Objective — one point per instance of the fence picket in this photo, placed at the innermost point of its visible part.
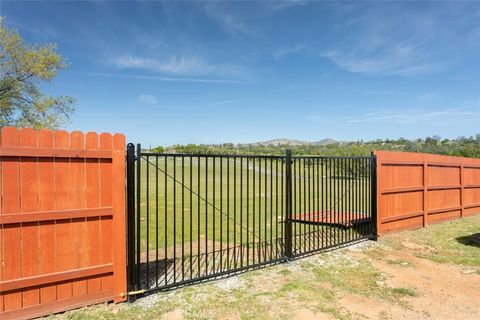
(46, 199)
(93, 201)
(106, 224)
(29, 203)
(11, 204)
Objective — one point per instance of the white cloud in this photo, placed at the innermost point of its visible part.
(245, 19)
(147, 99)
(427, 96)
(390, 61)
(178, 65)
(230, 22)
(389, 39)
(413, 116)
(219, 103)
(379, 92)
(216, 104)
(175, 65)
(157, 78)
(283, 52)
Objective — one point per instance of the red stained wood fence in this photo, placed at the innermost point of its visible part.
(415, 189)
(62, 220)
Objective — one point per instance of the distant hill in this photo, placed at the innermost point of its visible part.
(324, 142)
(292, 142)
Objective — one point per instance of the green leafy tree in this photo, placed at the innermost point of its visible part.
(24, 68)
(158, 149)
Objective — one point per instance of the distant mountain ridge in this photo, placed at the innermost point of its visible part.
(293, 142)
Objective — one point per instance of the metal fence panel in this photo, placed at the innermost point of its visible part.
(202, 216)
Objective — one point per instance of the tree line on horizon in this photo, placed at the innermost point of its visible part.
(461, 146)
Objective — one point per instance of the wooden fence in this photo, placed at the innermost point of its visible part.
(415, 190)
(62, 220)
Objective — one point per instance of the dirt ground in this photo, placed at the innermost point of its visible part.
(431, 273)
(442, 291)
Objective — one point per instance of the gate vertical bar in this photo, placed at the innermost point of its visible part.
(139, 181)
(131, 218)
(288, 204)
(373, 195)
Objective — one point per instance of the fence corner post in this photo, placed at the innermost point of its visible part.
(288, 205)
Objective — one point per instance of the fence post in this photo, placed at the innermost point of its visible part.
(373, 195)
(288, 205)
(138, 198)
(131, 217)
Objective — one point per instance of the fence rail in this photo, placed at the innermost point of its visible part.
(200, 216)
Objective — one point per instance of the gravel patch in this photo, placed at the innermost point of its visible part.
(230, 283)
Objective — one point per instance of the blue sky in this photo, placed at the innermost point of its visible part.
(210, 72)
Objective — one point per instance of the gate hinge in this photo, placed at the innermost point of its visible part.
(132, 293)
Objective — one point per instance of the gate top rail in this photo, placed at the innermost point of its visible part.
(256, 156)
(201, 155)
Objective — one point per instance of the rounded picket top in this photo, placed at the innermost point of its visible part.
(62, 139)
(28, 138)
(77, 140)
(9, 137)
(106, 141)
(119, 141)
(46, 138)
(91, 140)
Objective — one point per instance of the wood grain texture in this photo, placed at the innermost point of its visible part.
(62, 276)
(119, 223)
(55, 215)
(46, 203)
(12, 268)
(93, 200)
(106, 225)
(29, 203)
(63, 184)
(78, 200)
(55, 153)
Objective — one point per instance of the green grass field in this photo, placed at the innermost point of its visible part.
(235, 200)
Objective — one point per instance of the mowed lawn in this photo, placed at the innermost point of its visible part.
(235, 200)
(430, 273)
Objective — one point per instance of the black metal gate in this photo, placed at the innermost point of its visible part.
(194, 217)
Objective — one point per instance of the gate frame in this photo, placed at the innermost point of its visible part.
(130, 167)
(373, 196)
(133, 175)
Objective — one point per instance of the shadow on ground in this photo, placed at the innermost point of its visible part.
(471, 240)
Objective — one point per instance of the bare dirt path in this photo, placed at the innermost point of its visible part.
(442, 291)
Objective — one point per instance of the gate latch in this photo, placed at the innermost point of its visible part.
(132, 293)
